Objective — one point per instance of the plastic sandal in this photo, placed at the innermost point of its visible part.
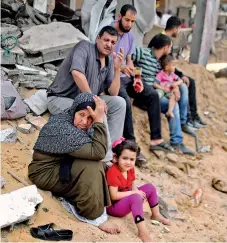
(47, 232)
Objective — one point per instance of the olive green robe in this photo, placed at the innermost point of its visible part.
(87, 190)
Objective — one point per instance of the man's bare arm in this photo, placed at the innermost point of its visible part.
(81, 81)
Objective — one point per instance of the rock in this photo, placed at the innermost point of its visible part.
(159, 154)
(2, 181)
(172, 158)
(8, 135)
(165, 230)
(38, 122)
(24, 128)
(224, 147)
(19, 205)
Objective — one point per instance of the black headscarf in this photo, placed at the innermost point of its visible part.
(59, 135)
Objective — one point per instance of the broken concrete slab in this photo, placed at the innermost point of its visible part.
(62, 36)
(9, 29)
(24, 128)
(16, 56)
(8, 135)
(37, 121)
(19, 205)
(26, 70)
(37, 102)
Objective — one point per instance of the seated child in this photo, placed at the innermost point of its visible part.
(167, 83)
(125, 196)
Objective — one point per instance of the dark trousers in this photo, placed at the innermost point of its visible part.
(149, 99)
(192, 110)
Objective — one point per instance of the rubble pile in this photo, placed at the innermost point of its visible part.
(33, 45)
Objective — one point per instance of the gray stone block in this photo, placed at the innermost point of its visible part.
(62, 36)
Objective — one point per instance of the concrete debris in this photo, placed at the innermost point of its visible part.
(2, 182)
(24, 128)
(37, 102)
(50, 66)
(8, 29)
(19, 205)
(205, 149)
(62, 36)
(8, 135)
(38, 122)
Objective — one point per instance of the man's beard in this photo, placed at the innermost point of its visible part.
(121, 27)
(174, 35)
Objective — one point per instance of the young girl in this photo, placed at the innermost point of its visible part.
(167, 83)
(125, 196)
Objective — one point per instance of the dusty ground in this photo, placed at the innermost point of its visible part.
(208, 222)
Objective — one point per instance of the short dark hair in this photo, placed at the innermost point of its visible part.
(165, 60)
(159, 41)
(126, 144)
(172, 23)
(108, 29)
(126, 8)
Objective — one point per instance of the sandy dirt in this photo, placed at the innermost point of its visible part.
(208, 222)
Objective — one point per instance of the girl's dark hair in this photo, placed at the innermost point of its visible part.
(165, 60)
(126, 144)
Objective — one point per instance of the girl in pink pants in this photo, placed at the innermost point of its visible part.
(125, 196)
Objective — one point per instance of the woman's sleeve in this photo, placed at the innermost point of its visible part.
(97, 149)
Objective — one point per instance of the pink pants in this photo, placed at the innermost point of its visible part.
(134, 204)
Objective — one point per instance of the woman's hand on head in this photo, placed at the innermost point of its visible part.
(100, 109)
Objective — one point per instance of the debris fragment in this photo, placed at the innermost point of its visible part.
(19, 205)
(155, 222)
(2, 181)
(24, 128)
(205, 149)
(165, 230)
(197, 197)
(37, 121)
(8, 135)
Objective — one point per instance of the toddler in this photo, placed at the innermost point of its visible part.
(167, 83)
(125, 196)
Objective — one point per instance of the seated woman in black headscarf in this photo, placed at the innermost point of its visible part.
(67, 158)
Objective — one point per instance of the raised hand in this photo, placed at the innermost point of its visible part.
(100, 109)
(118, 59)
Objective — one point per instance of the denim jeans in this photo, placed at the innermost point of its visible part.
(180, 115)
(176, 136)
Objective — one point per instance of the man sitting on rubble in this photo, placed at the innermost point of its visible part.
(92, 68)
(194, 120)
(148, 60)
(146, 95)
